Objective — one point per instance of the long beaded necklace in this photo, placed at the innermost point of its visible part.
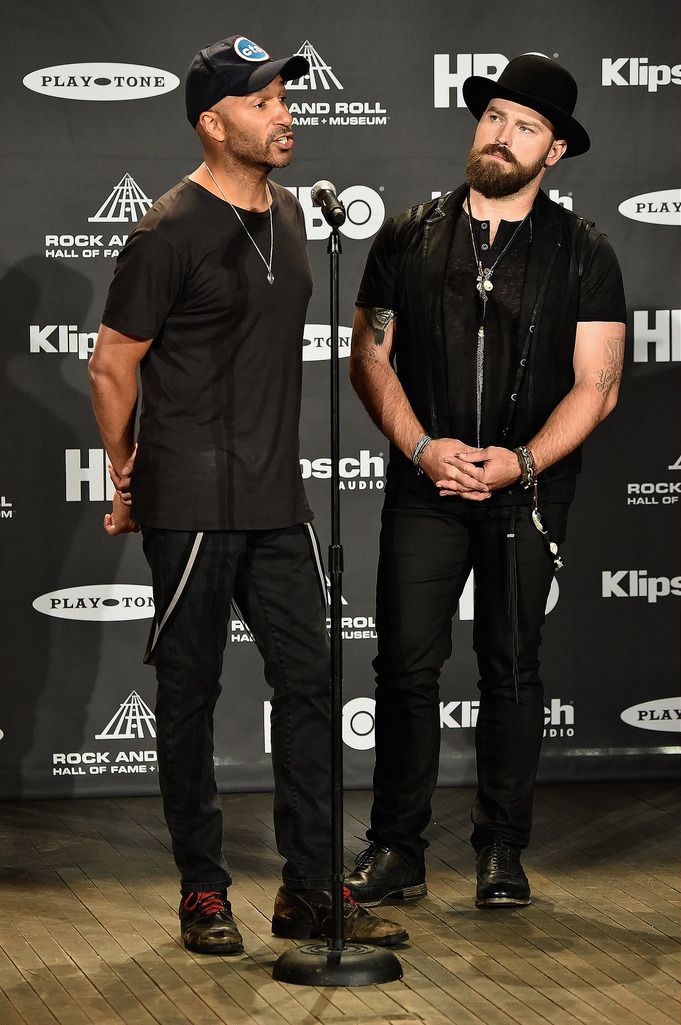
(484, 286)
(270, 275)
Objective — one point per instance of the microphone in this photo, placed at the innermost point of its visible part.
(323, 194)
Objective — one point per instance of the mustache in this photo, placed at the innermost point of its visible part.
(494, 147)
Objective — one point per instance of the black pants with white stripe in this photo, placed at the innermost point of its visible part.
(275, 579)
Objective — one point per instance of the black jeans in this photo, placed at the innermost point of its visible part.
(425, 557)
(275, 578)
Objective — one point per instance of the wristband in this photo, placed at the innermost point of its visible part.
(419, 448)
(528, 467)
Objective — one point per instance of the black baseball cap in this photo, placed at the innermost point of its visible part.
(234, 67)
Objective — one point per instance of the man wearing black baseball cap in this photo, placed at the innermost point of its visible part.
(209, 299)
(506, 313)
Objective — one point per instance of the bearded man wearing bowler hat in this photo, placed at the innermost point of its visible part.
(487, 345)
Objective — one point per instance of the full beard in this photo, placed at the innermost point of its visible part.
(493, 179)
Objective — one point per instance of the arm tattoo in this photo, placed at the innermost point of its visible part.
(379, 320)
(610, 374)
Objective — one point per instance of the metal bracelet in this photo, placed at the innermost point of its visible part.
(419, 449)
(528, 467)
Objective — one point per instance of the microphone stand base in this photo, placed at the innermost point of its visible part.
(355, 964)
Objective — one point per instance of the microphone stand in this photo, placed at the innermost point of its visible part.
(335, 962)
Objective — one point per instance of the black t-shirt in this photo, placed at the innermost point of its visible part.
(218, 444)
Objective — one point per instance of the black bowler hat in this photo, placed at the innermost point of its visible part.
(536, 82)
(234, 67)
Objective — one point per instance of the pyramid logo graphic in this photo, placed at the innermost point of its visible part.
(676, 465)
(129, 721)
(126, 202)
(320, 73)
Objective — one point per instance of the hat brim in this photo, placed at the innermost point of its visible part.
(478, 91)
(290, 68)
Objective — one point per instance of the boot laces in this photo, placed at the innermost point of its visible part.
(502, 856)
(368, 855)
(206, 902)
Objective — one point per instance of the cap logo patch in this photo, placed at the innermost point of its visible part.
(250, 51)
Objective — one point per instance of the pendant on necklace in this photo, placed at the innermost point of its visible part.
(270, 278)
(484, 282)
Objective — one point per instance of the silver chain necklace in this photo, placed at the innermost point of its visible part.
(270, 275)
(484, 286)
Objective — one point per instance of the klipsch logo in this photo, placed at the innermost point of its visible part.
(101, 81)
(356, 473)
(659, 714)
(98, 602)
(637, 71)
(133, 720)
(635, 583)
(654, 207)
(64, 338)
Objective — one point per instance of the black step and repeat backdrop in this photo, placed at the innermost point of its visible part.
(93, 131)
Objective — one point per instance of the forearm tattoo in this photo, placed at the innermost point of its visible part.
(611, 374)
(379, 320)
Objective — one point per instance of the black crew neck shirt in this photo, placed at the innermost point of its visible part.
(218, 445)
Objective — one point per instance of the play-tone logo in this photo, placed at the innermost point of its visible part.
(659, 714)
(98, 602)
(662, 207)
(317, 342)
(101, 81)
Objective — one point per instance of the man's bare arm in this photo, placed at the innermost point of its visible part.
(112, 372)
(598, 359)
(375, 381)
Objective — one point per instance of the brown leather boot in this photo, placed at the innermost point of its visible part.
(207, 925)
(302, 914)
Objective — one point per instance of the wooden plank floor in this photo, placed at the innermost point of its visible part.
(88, 924)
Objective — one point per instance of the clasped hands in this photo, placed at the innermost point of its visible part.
(471, 473)
(119, 520)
